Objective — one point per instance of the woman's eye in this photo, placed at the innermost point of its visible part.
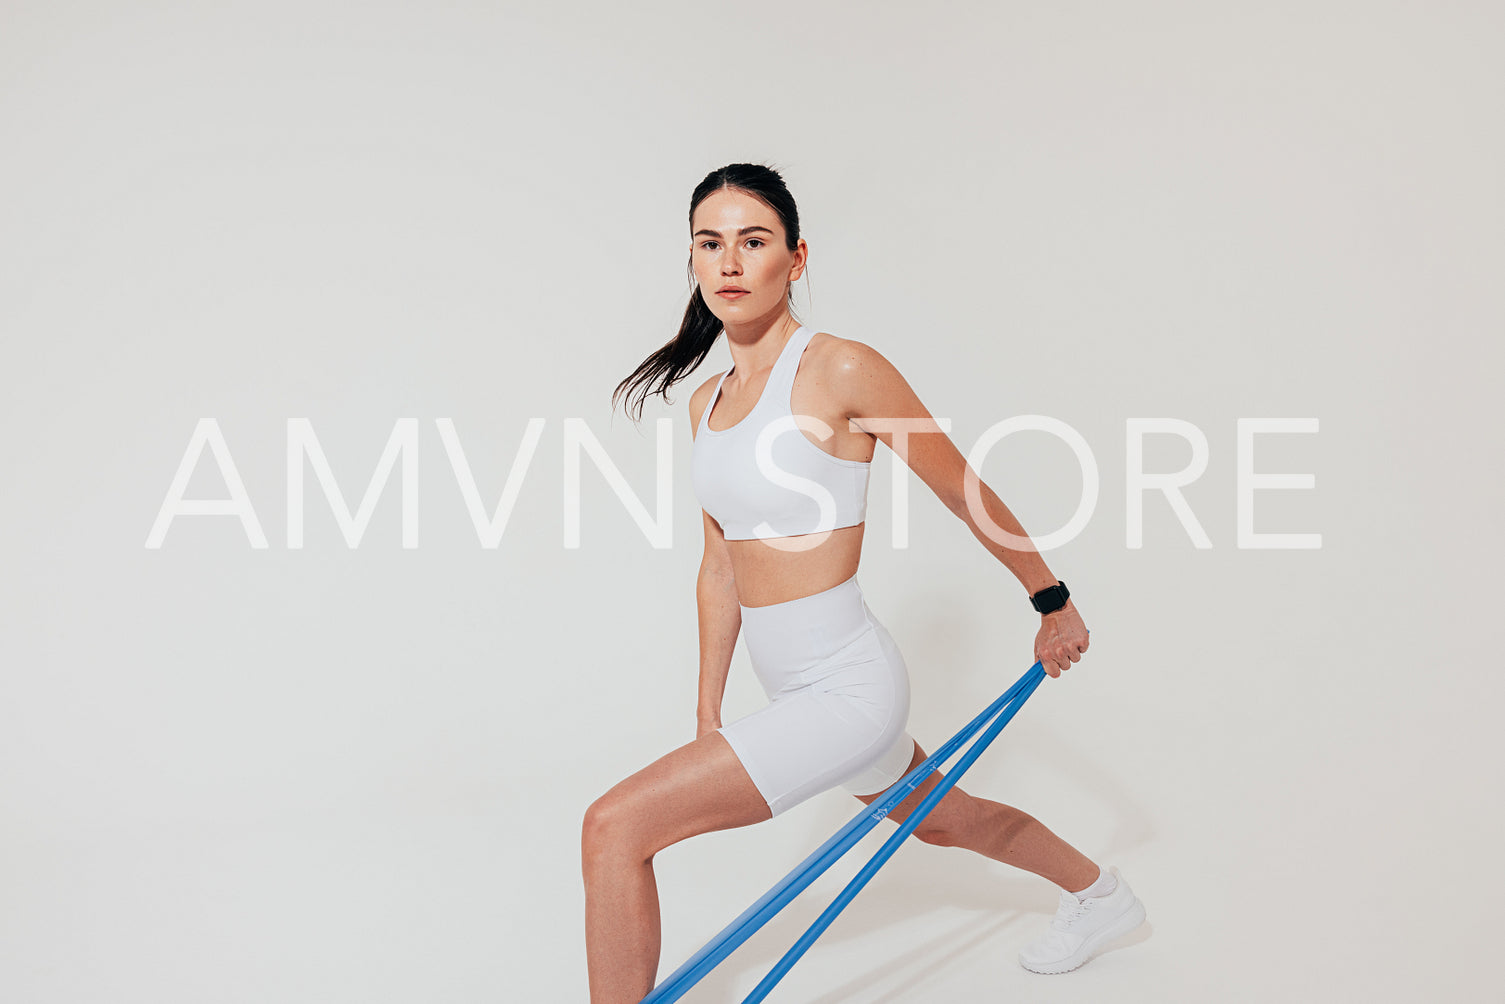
(751, 242)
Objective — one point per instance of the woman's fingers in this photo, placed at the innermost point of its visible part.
(1062, 641)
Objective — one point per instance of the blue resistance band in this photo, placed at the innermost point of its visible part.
(754, 917)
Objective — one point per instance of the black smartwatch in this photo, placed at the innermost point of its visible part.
(1051, 598)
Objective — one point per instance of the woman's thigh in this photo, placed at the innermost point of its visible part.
(951, 815)
(697, 788)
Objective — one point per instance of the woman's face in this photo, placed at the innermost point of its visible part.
(736, 241)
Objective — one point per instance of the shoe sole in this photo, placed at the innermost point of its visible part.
(1131, 919)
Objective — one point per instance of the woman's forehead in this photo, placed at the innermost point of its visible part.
(733, 207)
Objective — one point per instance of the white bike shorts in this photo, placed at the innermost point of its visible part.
(838, 695)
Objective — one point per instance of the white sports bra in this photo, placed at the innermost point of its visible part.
(764, 477)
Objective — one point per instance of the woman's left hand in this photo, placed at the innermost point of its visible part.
(1062, 639)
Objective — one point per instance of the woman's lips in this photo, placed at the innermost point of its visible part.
(731, 294)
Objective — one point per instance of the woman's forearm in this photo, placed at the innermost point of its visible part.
(1019, 554)
(1062, 637)
(720, 618)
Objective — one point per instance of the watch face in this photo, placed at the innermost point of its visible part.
(1050, 598)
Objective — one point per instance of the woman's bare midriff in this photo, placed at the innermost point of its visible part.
(766, 574)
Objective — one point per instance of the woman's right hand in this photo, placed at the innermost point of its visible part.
(706, 724)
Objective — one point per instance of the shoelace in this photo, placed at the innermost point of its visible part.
(1070, 911)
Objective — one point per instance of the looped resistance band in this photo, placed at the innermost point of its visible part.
(754, 917)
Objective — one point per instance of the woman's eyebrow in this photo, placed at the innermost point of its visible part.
(744, 230)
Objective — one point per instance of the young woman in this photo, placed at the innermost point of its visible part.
(780, 457)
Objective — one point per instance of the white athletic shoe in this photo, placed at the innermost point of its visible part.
(1081, 927)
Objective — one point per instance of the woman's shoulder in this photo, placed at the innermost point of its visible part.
(700, 397)
(847, 360)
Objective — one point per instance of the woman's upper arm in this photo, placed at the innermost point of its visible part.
(716, 555)
(876, 391)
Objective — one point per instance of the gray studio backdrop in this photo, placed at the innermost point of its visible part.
(320, 751)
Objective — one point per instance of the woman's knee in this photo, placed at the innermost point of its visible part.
(607, 830)
(937, 834)
(949, 821)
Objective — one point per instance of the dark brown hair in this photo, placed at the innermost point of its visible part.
(700, 328)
